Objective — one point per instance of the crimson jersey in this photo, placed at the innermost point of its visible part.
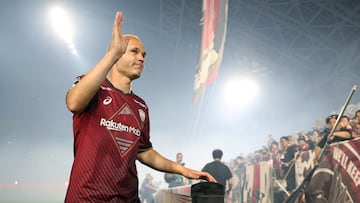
(107, 137)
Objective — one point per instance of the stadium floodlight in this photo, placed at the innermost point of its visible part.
(62, 26)
(240, 92)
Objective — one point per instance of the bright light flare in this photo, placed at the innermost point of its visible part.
(240, 92)
(62, 26)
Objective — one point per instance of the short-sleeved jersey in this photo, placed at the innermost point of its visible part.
(108, 135)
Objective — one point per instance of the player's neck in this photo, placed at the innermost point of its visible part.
(121, 84)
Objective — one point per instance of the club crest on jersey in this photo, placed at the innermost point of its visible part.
(142, 115)
(107, 100)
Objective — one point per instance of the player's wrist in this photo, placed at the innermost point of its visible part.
(113, 56)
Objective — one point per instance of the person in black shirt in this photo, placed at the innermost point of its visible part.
(219, 171)
(287, 163)
(341, 133)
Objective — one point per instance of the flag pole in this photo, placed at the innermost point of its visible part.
(301, 188)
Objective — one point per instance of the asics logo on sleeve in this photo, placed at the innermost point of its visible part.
(107, 100)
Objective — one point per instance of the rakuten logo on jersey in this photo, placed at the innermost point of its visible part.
(112, 125)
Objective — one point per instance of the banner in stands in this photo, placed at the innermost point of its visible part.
(258, 183)
(304, 162)
(337, 179)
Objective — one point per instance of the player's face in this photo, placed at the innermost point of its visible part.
(131, 64)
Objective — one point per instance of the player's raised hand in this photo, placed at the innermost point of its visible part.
(118, 44)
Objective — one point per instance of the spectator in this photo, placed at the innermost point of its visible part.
(345, 123)
(219, 171)
(147, 189)
(239, 170)
(355, 124)
(176, 180)
(302, 144)
(340, 134)
(315, 136)
(275, 156)
(287, 163)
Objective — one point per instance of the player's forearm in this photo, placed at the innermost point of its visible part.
(79, 96)
(156, 161)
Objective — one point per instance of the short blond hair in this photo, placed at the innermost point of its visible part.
(131, 35)
(125, 36)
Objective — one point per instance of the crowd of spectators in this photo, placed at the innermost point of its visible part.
(282, 152)
(303, 141)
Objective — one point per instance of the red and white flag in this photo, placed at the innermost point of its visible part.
(214, 22)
